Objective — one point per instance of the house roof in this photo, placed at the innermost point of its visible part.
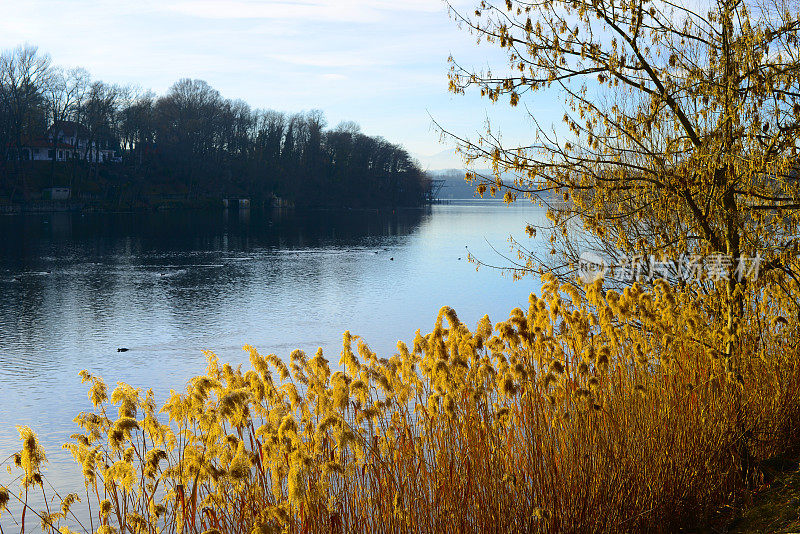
(70, 129)
(42, 142)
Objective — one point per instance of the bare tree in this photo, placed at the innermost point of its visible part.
(64, 95)
(99, 115)
(24, 75)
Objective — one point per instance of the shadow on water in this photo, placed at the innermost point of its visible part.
(27, 238)
(64, 274)
(74, 288)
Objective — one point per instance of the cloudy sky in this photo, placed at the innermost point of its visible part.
(381, 63)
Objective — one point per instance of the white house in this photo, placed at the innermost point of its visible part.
(42, 149)
(66, 140)
(77, 136)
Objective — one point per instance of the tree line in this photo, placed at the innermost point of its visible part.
(191, 143)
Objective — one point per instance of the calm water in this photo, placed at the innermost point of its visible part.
(74, 288)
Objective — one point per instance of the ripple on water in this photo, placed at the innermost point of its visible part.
(69, 299)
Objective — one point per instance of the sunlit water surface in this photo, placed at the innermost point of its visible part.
(167, 286)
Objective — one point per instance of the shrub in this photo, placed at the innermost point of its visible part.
(601, 411)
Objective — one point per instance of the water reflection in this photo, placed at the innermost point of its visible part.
(74, 288)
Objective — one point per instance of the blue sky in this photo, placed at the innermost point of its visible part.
(381, 63)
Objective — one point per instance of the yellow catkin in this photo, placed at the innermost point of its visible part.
(482, 415)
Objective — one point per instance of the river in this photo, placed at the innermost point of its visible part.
(74, 288)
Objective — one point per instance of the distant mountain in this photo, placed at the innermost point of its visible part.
(456, 187)
(446, 159)
(447, 165)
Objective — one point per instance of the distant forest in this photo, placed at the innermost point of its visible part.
(190, 144)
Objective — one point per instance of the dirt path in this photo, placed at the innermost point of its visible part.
(776, 508)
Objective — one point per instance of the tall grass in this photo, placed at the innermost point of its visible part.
(601, 412)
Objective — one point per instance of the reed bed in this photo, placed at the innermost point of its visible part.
(595, 412)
